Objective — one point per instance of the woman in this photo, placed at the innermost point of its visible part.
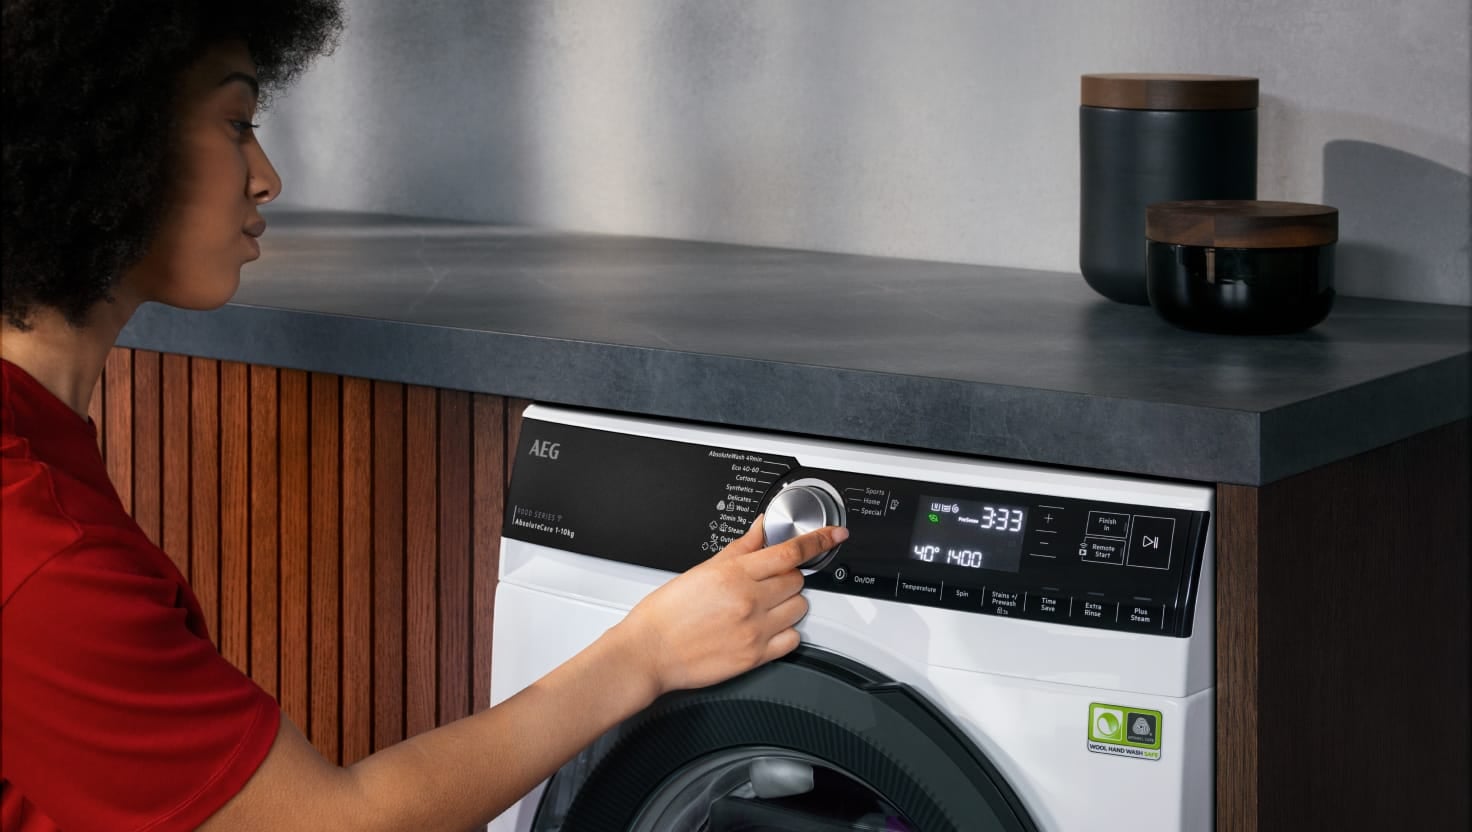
(132, 174)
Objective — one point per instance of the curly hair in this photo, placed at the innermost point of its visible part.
(89, 128)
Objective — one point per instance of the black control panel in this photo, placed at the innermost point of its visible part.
(669, 505)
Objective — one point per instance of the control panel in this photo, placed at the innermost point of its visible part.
(988, 551)
(1035, 556)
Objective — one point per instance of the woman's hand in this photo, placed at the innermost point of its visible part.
(732, 613)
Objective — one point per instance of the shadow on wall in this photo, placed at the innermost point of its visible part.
(1403, 224)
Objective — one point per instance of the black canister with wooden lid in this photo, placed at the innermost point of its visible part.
(1247, 267)
(1147, 138)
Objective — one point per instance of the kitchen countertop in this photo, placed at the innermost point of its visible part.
(997, 362)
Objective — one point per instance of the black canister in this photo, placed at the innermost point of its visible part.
(1156, 138)
(1242, 267)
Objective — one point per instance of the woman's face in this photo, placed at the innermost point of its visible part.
(222, 177)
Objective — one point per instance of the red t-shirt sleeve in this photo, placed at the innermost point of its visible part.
(115, 714)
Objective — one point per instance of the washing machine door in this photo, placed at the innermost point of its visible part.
(810, 743)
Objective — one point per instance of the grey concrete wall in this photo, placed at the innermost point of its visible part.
(934, 130)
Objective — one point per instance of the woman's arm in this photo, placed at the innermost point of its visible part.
(726, 616)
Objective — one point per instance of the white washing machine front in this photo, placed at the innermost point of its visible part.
(1065, 720)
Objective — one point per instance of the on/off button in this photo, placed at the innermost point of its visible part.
(868, 583)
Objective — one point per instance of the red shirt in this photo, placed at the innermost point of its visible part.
(116, 710)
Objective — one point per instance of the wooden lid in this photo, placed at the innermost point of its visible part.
(1147, 91)
(1242, 224)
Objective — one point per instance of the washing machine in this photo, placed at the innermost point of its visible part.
(995, 647)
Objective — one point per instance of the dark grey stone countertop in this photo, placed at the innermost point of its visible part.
(996, 362)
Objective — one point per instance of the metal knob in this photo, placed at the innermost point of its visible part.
(800, 507)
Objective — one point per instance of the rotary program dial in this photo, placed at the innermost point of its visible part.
(800, 507)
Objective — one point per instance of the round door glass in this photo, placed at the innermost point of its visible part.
(812, 742)
(761, 789)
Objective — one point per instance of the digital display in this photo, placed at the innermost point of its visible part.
(968, 534)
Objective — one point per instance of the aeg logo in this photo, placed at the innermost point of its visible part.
(545, 449)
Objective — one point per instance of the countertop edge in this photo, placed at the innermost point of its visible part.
(1173, 441)
(1413, 401)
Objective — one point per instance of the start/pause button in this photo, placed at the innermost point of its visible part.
(1150, 542)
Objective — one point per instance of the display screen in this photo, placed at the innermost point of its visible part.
(968, 534)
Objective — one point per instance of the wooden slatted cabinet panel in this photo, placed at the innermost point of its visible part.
(388, 564)
(342, 535)
(265, 538)
(488, 488)
(357, 570)
(234, 633)
(118, 416)
(148, 444)
(421, 523)
(204, 479)
(325, 557)
(175, 515)
(295, 693)
(454, 555)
